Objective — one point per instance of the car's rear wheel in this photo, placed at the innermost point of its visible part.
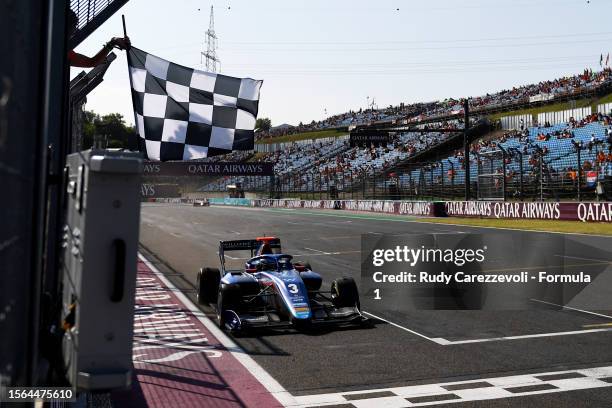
(208, 285)
(344, 293)
(305, 265)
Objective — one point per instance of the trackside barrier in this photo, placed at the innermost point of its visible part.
(421, 208)
(241, 202)
(539, 210)
(570, 211)
(170, 200)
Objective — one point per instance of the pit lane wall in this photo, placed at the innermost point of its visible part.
(567, 211)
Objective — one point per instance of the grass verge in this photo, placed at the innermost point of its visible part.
(598, 228)
(556, 107)
(575, 227)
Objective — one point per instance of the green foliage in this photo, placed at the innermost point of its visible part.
(605, 99)
(263, 124)
(111, 126)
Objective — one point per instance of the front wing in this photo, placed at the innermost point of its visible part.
(322, 315)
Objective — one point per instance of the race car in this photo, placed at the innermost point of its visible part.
(274, 291)
(201, 203)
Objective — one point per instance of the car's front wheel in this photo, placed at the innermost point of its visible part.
(344, 293)
(208, 285)
(228, 298)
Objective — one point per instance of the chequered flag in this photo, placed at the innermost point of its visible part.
(183, 113)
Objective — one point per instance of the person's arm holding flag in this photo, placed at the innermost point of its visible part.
(83, 61)
(79, 60)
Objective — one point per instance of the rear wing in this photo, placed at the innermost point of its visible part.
(245, 245)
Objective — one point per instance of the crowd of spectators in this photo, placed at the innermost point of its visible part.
(542, 152)
(545, 90)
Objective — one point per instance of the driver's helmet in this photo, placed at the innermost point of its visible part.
(266, 264)
(265, 249)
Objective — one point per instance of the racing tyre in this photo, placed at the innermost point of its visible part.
(306, 265)
(208, 285)
(344, 293)
(228, 298)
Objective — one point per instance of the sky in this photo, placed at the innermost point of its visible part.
(323, 57)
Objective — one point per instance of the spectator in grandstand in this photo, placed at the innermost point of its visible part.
(572, 174)
(601, 158)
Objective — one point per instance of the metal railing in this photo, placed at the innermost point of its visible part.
(583, 172)
(90, 14)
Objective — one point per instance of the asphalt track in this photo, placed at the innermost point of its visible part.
(412, 348)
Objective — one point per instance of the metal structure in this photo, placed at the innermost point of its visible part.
(100, 237)
(510, 175)
(80, 86)
(491, 170)
(35, 103)
(211, 45)
(90, 14)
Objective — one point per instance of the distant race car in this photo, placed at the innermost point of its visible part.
(201, 203)
(273, 291)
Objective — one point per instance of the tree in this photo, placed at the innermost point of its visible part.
(263, 124)
(111, 126)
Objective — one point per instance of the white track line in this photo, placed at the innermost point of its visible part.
(273, 386)
(316, 250)
(444, 342)
(572, 308)
(585, 259)
(381, 217)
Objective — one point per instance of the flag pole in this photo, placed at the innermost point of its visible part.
(124, 30)
(131, 86)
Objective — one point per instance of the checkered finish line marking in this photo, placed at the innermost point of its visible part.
(465, 391)
(183, 113)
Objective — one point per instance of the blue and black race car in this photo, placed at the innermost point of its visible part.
(274, 291)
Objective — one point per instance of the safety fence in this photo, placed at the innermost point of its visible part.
(581, 173)
(571, 211)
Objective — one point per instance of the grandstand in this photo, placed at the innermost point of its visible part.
(541, 162)
(563, 160)
(578, 86)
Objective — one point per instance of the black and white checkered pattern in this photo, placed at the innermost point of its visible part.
(183, 113)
